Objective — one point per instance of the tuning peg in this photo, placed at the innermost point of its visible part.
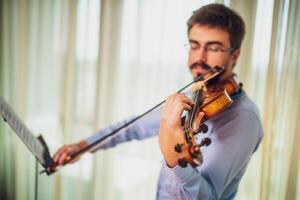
(196, 149)
(178, 148)
(203, 128)
(205, 141)
(182, 162)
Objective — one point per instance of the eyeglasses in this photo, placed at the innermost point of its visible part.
(209, 48)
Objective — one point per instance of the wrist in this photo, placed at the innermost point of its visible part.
(171, 163)
(82, 144)
(168, 138)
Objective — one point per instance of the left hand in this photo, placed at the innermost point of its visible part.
(171, 131)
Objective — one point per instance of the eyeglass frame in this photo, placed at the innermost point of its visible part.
(206, 47)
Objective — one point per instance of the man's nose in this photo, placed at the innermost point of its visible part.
(202, 54)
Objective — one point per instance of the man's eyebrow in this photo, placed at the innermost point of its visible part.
(207, 43)
(193, 41)
(214, 42)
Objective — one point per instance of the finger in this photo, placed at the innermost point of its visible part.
(186, 106)
(180, 94)
(176, 95)
(63, 159)
(59, 154)
(197, 121)
(74, 159)
(64, 156)
(59, 151)
(186, 100)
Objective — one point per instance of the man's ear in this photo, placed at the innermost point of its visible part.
(235, 55)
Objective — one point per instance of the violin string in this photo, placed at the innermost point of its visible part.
(115, 133)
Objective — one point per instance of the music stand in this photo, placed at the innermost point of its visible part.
(37, 146)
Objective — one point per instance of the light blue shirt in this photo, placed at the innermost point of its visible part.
(235, 133)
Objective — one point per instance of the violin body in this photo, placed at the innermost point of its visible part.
(217, 105)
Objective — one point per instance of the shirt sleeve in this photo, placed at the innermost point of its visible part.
(233, 142)
(145, 127)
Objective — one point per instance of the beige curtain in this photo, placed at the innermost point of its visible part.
(273, 82)
(40, 68)
(72, 67)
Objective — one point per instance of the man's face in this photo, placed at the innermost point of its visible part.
(210, 47)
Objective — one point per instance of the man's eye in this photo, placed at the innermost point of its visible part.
(194, 46)
(214, 47)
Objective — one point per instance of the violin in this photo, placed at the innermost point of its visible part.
(210, 98)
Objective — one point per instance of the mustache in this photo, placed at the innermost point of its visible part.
(201, 64)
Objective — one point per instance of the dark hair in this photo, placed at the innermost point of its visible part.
(220, 16)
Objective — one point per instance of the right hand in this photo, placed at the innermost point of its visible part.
(63, 155)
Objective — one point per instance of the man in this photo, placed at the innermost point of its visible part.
(215, 35)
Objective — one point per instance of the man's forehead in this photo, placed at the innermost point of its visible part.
(204, 34)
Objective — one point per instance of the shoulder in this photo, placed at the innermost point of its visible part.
(241, 118)
(241, 109)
